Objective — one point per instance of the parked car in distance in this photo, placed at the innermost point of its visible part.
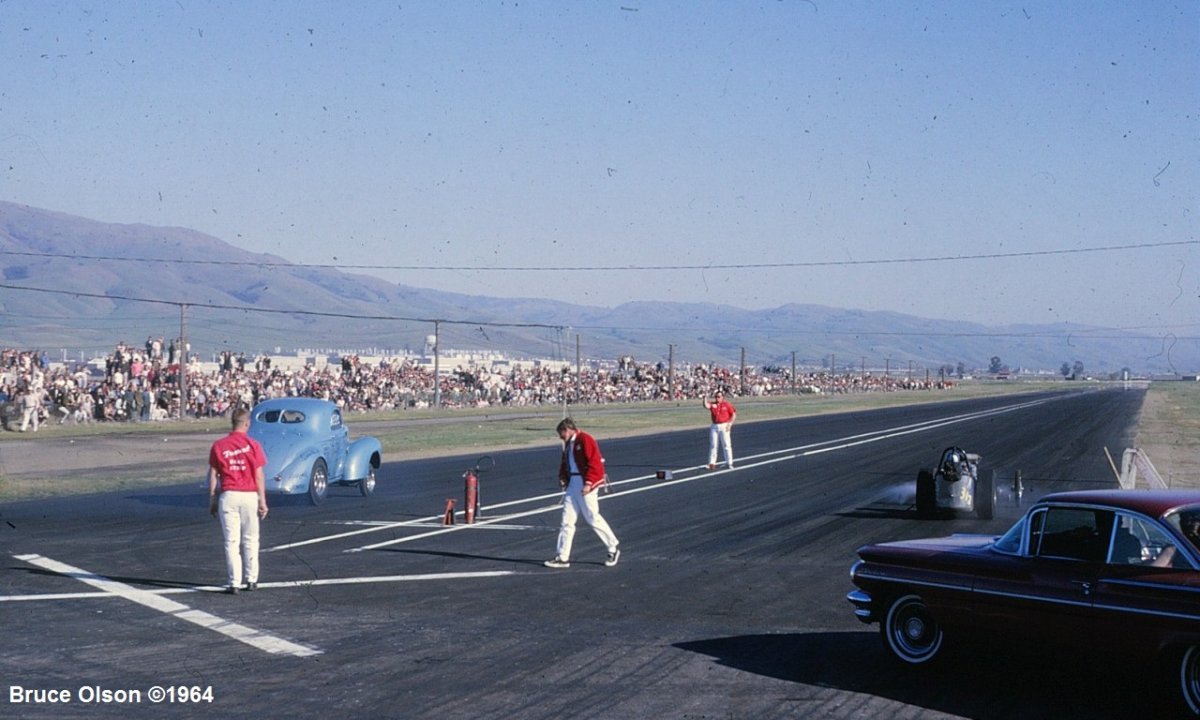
(308, 448)
(955, 484)
(1111, 573)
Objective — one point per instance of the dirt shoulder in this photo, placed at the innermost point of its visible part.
(1168, 432)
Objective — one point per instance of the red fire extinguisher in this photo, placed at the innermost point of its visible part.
(471, 493)
(471, 487)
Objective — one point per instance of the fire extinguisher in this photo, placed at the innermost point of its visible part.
(471, 487)
(471, 493)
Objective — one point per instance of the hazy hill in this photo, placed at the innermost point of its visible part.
(50, 250)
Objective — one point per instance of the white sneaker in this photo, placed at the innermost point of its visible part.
(557, 563)
(613, 557)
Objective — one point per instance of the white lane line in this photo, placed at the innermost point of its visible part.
(781, 455)
(284, 584)
(242, 633)
(812, 449)
(437, 524)
(56, 596)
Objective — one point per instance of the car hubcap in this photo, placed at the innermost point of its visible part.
(912, 634)
(914, 629)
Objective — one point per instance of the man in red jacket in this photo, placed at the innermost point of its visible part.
(723, 414)
(580, 474)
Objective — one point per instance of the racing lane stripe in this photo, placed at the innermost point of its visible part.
(781, 455)
(772, 457)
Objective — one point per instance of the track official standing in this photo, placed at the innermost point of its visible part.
(723, 414)
(237, 494)
(580, 474)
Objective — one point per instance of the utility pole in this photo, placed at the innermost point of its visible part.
(793, 372)
(671, 371)
(743, 371)
(183, 343)
(437, 375)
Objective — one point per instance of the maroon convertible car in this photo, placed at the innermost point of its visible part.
(1113, 570)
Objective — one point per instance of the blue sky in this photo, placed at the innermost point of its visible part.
(625, 135)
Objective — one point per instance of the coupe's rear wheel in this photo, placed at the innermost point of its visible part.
(910, 632)
(366, 486)
(318, 482)
(926, 494)
(1189, 680)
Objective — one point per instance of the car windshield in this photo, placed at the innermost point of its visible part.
(1010, 542)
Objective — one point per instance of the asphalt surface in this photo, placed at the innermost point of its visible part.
(728, 602)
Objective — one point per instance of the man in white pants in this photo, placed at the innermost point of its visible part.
(723, 414)
(31, 408)
(580, 474)
(237, 490)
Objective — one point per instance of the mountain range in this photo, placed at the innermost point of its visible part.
(74, 287)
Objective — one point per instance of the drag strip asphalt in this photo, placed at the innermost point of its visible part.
(728, 600)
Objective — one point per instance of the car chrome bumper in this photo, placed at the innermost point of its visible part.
(863, 604)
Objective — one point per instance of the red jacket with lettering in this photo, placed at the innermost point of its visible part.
(237, 457)
(587, 459)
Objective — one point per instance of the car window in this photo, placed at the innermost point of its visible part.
(286, 416)
(1137, 541)
(335, 420)
(1075, 533)
(1187, 522)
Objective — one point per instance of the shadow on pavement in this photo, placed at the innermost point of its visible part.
(976, 683)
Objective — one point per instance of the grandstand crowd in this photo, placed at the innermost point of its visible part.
(143, 384)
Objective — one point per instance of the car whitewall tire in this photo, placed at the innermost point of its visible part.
(910, 632)
(1189, 680)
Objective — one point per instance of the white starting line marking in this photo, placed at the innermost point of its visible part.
(237, 631)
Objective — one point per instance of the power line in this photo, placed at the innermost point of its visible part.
(612, 268)
(559, 329)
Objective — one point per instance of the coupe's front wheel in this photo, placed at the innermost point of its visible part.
(366, 486)
(910, 632)
(1189, 680)
(318, 482)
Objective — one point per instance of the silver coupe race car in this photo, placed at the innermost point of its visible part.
(308, 448)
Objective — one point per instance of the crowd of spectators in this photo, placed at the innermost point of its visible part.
(143, 384)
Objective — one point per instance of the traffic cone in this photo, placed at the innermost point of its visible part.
(448, 518)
